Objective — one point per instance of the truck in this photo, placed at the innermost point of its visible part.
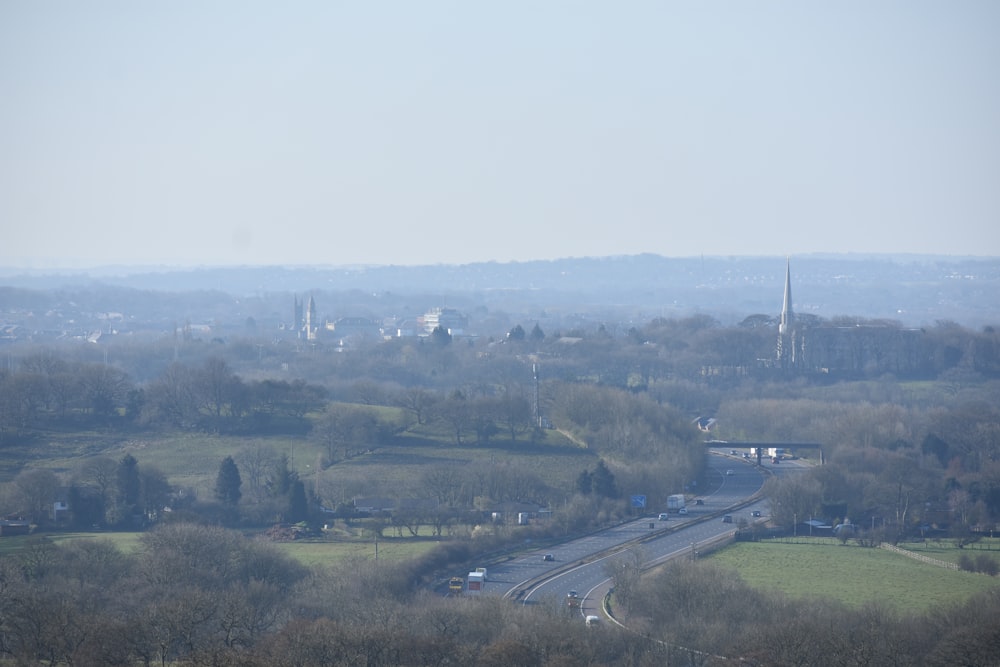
(476, 583)
(482, 571)
(675, 502)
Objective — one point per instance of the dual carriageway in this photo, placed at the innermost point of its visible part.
(580, 564)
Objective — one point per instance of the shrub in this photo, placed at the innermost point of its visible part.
(987, 565)
(965, 562)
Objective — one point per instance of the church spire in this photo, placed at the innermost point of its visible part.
(787, 314)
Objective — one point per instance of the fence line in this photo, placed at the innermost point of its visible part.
(920, 557)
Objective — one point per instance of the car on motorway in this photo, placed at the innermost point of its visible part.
(548, 557)
(682, 510)
(755, 514)
(699, 501)
(729, 473)
(727, 519)
(663, 516)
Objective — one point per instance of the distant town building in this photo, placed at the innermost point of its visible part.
(354, 328)
(449, 319)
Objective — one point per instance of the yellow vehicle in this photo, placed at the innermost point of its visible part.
(455, 585)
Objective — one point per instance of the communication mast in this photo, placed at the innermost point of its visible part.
(535, 408)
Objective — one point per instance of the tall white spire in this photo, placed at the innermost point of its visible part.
(787, 314)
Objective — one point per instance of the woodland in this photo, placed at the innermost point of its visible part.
(203, 446)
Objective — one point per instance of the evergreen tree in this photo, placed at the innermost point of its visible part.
(441, 336)
(585, 483)
(284, 478)
(537, 335)
(122, 504)
(517, 333)
(298, 506)
(227, 484)
(604, 481)
(127, 478)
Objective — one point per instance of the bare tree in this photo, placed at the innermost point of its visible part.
(626, 570)
(104, 387)
(256, 463)
(35, 492)
(418, 401)
(342, 429)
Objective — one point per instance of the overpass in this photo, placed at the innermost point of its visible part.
(760, 446)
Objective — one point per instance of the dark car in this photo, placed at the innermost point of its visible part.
(699, 501)
(755, 513)
(548, 557)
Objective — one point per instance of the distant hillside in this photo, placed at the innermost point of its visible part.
(913, 289)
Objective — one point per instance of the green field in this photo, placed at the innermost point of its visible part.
(191, 460)
(308, 552)
(852, 574)
(126, 542)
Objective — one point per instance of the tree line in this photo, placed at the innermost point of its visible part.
(202, 595)
(243, 383)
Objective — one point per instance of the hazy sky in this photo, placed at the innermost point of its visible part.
(194, 132)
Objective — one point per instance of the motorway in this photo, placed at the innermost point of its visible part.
(579, 565)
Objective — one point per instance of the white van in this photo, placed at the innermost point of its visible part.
(663, 516)
(593, 620)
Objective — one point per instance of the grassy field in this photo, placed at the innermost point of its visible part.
(191, 460)
(126, 542)
(307, 552)
(849, 573)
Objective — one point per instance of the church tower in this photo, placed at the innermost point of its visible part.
(311, 322)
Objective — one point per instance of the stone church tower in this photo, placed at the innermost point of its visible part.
(305, 319)
(311, 323)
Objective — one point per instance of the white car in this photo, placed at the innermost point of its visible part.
(729, 473)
